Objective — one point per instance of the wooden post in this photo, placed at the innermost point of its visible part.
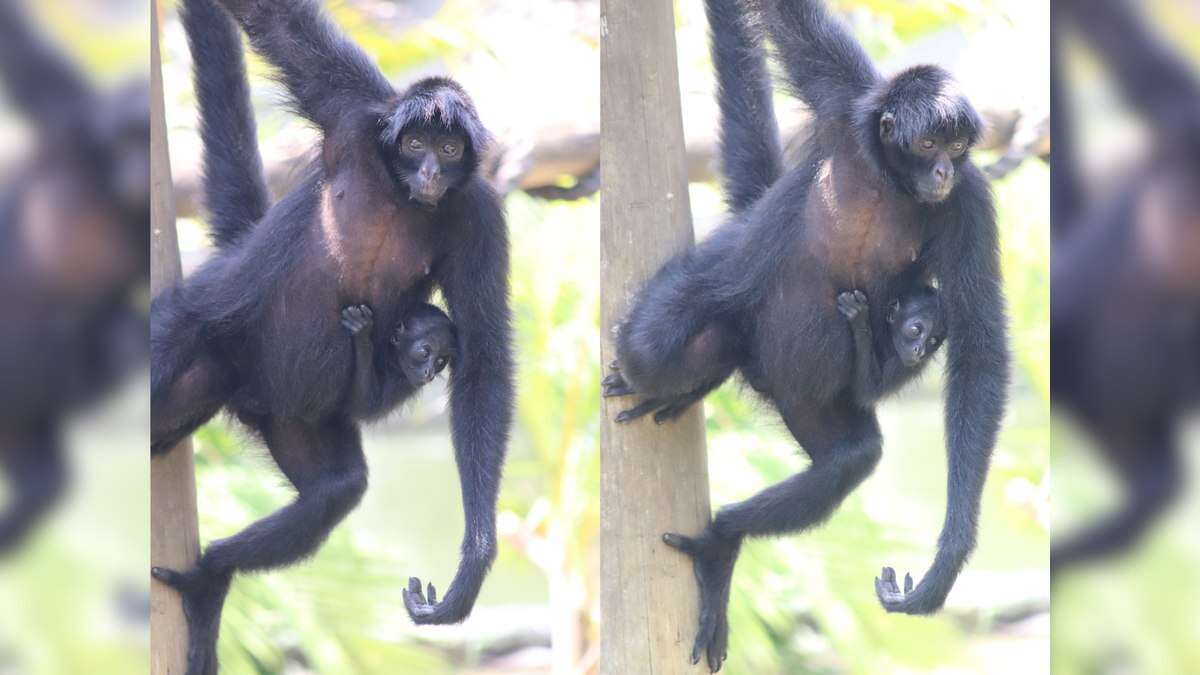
(654, 479)
(174, 536)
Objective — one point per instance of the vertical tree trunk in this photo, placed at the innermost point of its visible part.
(654, 479)
(174, 539)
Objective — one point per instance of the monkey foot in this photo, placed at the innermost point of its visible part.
(203, 595)
(713, 557)
(615, 385)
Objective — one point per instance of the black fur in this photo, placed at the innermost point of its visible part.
(235, 192)
(421, 345)
(765, 285)
(884, 363)
(261, 321)
(1125, 322)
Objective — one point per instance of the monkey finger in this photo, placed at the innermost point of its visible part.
(908, 583)
(432, 593)
(414, 589)
(860, 297)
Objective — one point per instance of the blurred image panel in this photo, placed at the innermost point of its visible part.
(1125, 324)
(74, 227)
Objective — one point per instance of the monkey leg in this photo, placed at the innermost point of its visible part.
(1150, 473)
(651, 368)
(32, 461)
(187, 387)
(325, 463)
(184, 405)
(793, 505)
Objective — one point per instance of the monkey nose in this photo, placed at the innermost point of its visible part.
(940, 173)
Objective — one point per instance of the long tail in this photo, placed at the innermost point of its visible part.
(751, 157)
(235, 191)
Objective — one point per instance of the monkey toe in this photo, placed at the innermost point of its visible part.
(615, 385)
(172, 578)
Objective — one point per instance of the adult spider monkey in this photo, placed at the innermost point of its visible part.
(377, 221)
(885, 192)
(1125, 312)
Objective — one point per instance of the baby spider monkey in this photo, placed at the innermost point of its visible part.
(916, 327)
(423, 344)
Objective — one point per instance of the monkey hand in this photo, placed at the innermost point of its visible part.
(357, 318)
(424, 608)
(920, 600)
(712, 557)
(853, 305)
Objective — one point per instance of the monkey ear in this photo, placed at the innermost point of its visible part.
(893, 309)
(887, 126)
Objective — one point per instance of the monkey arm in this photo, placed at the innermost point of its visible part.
(235, 191)
(751, 158)
(474, 281)
(324, 70)
(824, 64)
(868, 379)
(364, 383)
(966, 261)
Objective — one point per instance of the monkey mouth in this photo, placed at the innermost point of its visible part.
(934, 194)
(426, 194)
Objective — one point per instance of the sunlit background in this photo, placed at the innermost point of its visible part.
(1135, 610)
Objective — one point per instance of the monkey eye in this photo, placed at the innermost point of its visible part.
(449, 149)
(415, 144)
(957, 147)
(914, 329)
(424, 351)
(927, 144)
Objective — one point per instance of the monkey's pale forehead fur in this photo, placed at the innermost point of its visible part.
(435, 101)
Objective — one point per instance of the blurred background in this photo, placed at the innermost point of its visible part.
(1126, 333)
(74, 288)
(533, 72)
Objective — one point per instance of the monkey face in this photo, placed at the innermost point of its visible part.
(430, 162)
(918, 329)
(422, 354)
(927, 162)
